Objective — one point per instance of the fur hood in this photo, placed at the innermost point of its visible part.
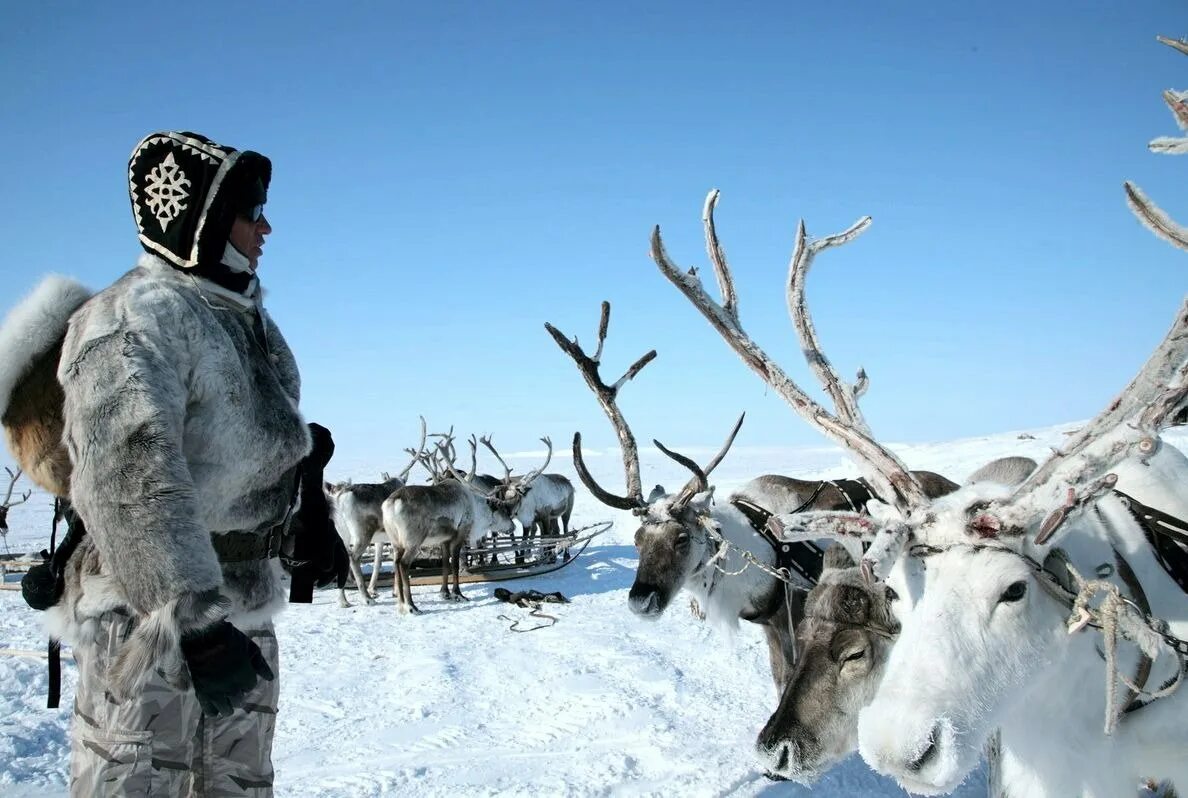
(30, 397)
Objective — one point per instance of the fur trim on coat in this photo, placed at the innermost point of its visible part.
(30, 397)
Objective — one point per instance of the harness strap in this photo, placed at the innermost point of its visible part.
(248, 545)
(856, 492)
(1167, 535)
(804, 557)
(53, 652)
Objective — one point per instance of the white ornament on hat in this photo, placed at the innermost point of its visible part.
(166, 190)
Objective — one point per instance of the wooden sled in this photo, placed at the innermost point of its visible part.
(508, 559)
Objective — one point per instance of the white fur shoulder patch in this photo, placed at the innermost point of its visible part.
(33, 327)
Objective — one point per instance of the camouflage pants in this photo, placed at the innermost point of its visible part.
(159, 743)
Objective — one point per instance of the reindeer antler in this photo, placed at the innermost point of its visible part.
(1131, 423)
(527, 479)
(416, 456)
(8, 502)
(700, 480)
(13, 476)
(888, 476)
(606, 394)
(507, 472)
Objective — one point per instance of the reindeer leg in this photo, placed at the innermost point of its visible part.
(357, 548)
(395, 582)
(457, 559)
(565, 530)
(445, 571)
(405, 559)
(376, 567)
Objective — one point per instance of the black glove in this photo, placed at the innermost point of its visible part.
(224, 666)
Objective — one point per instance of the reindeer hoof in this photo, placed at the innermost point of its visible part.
(415, 610)
(458, 597)
(369, 601)
(344, 603)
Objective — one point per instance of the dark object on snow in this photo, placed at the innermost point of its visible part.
(312, 550)
(224, 665)
(528, 598)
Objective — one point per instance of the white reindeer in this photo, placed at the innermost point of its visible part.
(356, 509)
(1003, 586)
(358, 519)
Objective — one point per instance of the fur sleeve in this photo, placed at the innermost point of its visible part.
(124, 373)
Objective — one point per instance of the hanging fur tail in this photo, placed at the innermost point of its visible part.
(30, 396)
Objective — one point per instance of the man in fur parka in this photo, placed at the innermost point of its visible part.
(184, 437)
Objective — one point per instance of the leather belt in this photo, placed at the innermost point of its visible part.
(243, 546)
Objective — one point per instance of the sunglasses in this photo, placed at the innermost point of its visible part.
(254, 213)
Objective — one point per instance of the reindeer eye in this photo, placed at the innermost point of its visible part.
(854, 656)
(891, 594)
(1014, 592)
(682, 537)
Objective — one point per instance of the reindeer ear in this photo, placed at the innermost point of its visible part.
(837, 558)
(658, 492)
(703, 501)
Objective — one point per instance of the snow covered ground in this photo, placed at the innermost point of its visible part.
(453, 703)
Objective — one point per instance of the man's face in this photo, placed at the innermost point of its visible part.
(248, 237)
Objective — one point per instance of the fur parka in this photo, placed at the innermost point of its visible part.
(181, 421)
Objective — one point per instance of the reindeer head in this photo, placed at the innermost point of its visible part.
(510, 490)
(842, 646)
(672, 537)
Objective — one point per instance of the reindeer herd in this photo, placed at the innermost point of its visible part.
(454, 510)
(1034, 616)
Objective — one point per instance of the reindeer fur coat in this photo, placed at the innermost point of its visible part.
(181, 421)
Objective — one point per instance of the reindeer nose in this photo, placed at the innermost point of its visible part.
(644, 601)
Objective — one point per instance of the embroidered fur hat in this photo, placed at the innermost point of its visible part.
(186, 191)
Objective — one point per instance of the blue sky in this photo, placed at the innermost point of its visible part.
(449, 176)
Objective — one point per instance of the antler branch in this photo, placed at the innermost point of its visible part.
(536, 472)
(13, 476)
(416, 456)
(717, 257)
(700, 480)
(1154, 218)
(507, 472)
(606, 395)
(845, 397)
(889, 477)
